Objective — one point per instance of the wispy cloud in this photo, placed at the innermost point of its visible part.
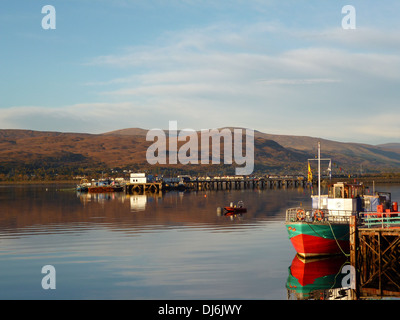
(225, 74)
(298, 81)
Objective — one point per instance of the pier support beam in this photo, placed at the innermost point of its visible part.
(375, 255)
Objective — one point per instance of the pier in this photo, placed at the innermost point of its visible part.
(243, 183)
(216, 183)
(375, 255)
(153, 187)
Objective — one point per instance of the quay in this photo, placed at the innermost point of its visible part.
(143, 187)
(140, 184)
(375, 255)
(244, 183)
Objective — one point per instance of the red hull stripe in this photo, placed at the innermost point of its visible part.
(306, 244)
(307, 272)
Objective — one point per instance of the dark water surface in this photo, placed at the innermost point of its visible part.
(170, 246)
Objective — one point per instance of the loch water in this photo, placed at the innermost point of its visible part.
(173, 245)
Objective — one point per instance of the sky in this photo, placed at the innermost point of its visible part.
(280, 67)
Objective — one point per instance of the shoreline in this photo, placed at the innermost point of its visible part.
(365, 180)
(40, 182)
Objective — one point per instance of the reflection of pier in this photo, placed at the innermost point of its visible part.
(375, 255)
(138, 202)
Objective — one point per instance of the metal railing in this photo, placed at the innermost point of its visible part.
(365, 219)
(379, 220)
(318, 215)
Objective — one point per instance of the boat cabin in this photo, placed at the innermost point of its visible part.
(343, 199)
(346, 191)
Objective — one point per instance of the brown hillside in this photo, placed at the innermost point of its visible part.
(127, 147)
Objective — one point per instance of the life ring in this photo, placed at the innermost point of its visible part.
(319, 215)
(301, 215)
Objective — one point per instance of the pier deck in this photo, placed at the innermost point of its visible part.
(216, 184)
(239, 184)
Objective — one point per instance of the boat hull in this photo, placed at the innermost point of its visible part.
(105, 189)
(235, 210)
(318, 239)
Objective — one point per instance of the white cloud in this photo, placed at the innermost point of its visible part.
(226, 75)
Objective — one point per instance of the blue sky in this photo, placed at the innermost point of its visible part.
(281, 67)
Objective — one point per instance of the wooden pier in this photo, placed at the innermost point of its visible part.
(143, 187)
(216, 184)
(375, 256)
(242, 184)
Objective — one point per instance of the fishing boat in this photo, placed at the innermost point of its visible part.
(234, 209)
(100, 189)
(324, 229)
(83, 186)
(104, 185)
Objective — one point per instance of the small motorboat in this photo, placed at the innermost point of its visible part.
(238, 208)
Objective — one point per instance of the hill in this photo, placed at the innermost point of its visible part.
(29, 152)
(393, 147)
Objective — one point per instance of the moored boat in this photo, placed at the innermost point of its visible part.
(100, 186)
(318, 238)
(106, 189)
(234, 209)
(83, 186)
(324, 229)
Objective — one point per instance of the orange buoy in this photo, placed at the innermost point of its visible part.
(319, 215)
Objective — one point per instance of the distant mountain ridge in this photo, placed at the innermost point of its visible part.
(394, 147)
(127, 148)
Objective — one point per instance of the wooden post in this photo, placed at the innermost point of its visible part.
(380, 261)
(353, 240)
(353, 253)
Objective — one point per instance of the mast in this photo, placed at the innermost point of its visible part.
(319, 174)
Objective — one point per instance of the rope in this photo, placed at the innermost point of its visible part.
(334, 236)
(340, 271)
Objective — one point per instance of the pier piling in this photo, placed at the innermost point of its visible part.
(375, 255)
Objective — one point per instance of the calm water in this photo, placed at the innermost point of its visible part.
(171, 246)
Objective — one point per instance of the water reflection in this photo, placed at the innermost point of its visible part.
(137, 202)
(333, 278)
(154, 246)
(30, 210)
(317, 279)
(172, 245)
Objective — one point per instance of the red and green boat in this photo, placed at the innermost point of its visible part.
(324, 228)
(319, 239)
